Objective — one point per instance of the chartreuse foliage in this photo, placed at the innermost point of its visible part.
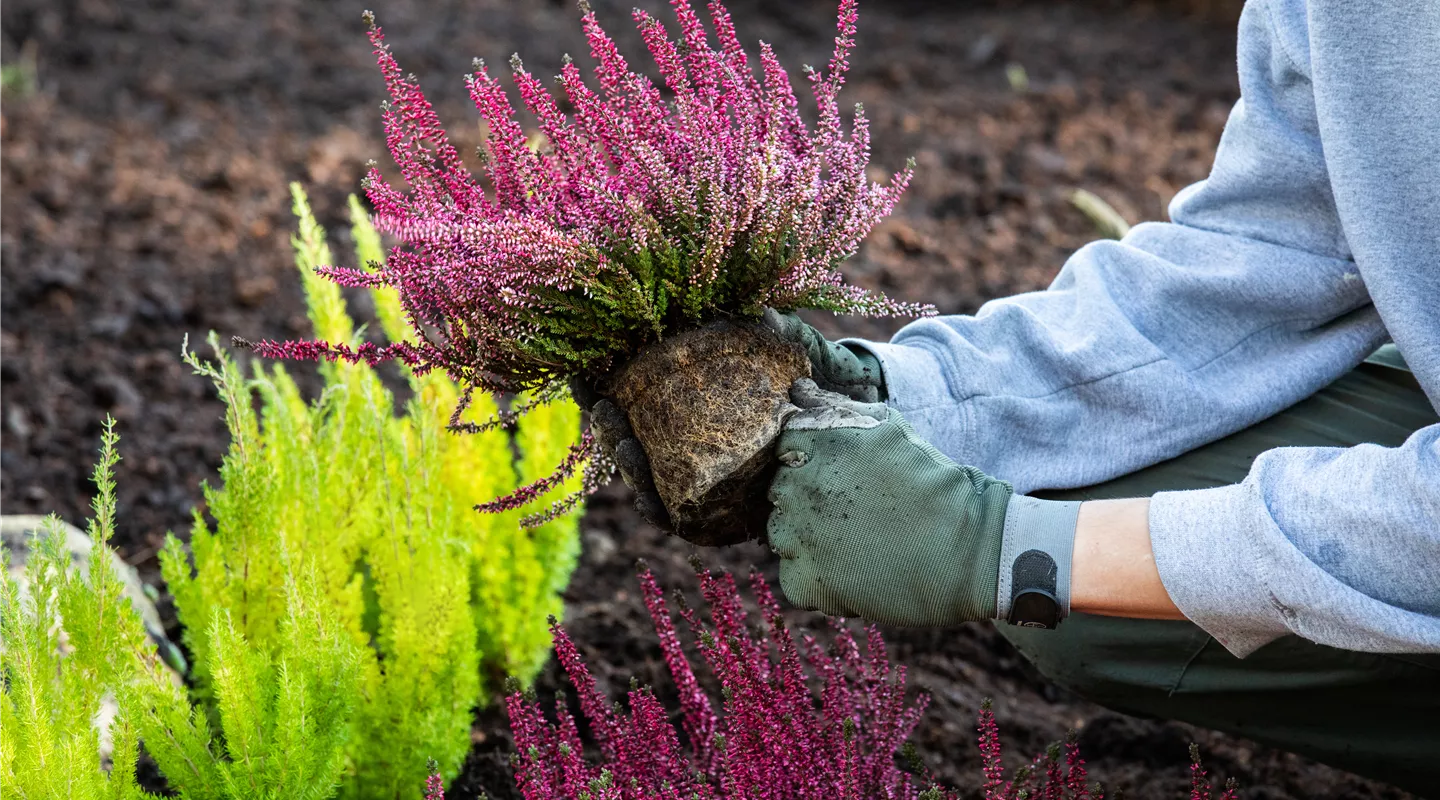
(54, 682)
(283, 715)
(437, 599)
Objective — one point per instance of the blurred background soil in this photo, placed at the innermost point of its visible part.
(145, 161)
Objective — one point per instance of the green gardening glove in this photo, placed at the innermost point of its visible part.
(851, 371)
(872, 521)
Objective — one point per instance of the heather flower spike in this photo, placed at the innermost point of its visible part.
(1199, 783)
(773, 735)
(649, 210)
(772, 740)
(434, 784)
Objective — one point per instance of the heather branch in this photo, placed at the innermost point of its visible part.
(771, 736)
(577, 456)
(638, 219)
(771, 741)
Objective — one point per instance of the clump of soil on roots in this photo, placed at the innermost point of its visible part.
(707, 405)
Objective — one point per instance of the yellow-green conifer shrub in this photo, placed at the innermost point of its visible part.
(439, 599)
(283, 716)
(517, 577)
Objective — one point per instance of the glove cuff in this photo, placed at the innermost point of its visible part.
(1035, 556)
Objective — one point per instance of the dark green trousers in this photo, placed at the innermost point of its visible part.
(1373, 714)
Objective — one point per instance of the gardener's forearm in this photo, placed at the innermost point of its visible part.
(1113, 572)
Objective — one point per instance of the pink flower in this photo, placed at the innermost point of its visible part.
(795, 719)
(434, 784)
(647, 210)
(773, 739)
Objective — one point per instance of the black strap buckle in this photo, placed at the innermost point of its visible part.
(1032, 596)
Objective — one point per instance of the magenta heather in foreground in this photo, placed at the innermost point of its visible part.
(643, 211)
(773, 737)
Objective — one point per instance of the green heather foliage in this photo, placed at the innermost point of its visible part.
(284, 713)
(439, 601)
(283, 716)
(54, 682)
(639, 209)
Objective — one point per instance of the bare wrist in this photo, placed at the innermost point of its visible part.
(1113, 572)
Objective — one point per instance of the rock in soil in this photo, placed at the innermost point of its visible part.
(19, 531)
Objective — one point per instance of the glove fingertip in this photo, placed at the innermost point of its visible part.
(653, 510)
(804, 589)
(776, 494)
(782, 540)
(634, 464)
(864, 394)
(787, 326)
(806, 393)
(583, 393)
(610, 424)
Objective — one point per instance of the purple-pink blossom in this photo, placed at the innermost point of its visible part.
(646, 209)
(770, 736)
(795, 718)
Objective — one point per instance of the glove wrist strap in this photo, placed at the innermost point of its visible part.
(1035, 556)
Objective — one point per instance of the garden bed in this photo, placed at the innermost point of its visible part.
(145, 199)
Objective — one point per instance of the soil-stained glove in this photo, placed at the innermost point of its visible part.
(612, 431)
(872, 521)
(852, 372)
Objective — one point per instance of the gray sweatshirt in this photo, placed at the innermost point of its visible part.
(1315, 239)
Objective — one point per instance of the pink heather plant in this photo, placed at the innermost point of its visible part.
(647, 211)
(1200, 784)
(1044, 778)
(434, 784)
(776, 738)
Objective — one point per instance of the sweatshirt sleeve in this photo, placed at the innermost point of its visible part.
(1180, 334)
(1339, 546)
(1249, 301)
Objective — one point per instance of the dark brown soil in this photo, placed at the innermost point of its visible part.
(144, 190)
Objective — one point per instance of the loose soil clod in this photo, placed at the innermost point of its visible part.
(707, 405)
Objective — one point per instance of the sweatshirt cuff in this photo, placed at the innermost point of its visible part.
(1204, 543)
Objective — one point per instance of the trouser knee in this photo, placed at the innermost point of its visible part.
(1371, 713)
(1125, 664)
